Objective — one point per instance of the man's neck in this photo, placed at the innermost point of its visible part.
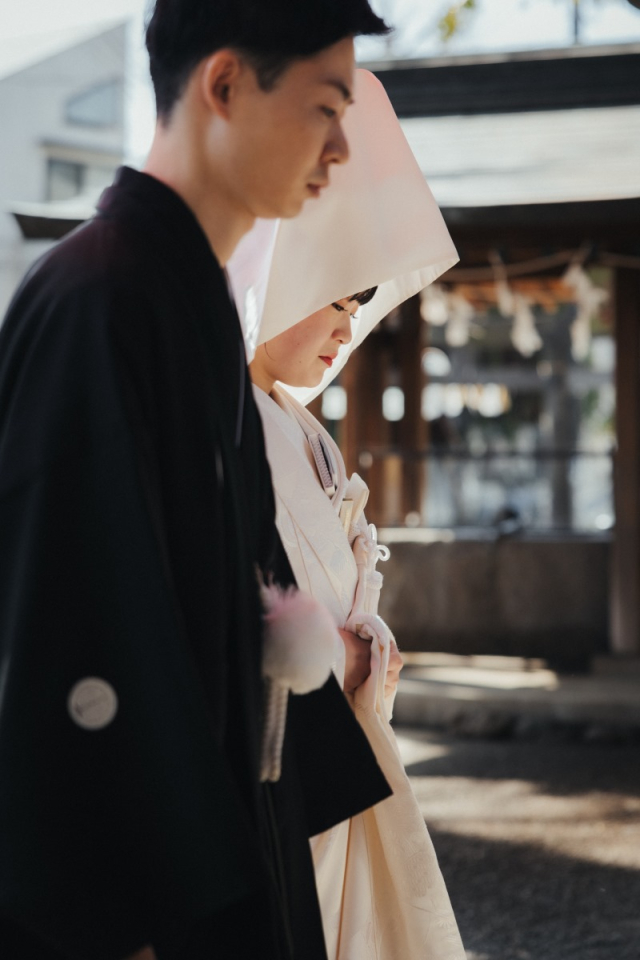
(223, 223)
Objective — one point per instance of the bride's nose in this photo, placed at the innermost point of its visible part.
(343, 330)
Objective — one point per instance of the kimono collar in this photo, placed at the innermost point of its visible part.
(157, 210)
(170, 233)
(287, 422)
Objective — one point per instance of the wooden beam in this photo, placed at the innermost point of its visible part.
(45, 228)
(515, 82)
(564, 223)
(542, 232)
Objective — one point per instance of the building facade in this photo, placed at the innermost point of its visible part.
(63, 136)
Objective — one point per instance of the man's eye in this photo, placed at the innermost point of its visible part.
(328, 112)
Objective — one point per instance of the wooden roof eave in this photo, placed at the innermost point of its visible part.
(529, 230)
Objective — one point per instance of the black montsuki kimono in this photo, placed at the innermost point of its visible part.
(135, 502)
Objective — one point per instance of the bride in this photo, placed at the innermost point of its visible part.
(380, 888)
(377, 231)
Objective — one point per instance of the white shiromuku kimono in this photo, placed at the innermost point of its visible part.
(381, 891)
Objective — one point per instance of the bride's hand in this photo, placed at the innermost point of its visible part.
(393, 672)
(357, 665)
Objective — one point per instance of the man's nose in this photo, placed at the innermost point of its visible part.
(337, 148)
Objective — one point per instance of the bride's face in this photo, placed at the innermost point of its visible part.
(300, 356)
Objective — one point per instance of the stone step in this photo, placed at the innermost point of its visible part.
(488, 696)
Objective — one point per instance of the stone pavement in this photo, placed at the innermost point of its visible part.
(538, 841)
(510, 696)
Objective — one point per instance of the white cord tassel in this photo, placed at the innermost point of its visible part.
(297, 657)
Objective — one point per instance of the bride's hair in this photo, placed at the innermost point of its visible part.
(364, 297)
(270, 34)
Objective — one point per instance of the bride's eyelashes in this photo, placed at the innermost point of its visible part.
(342, 309)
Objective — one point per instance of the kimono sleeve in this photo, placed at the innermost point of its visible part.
(116, 806)
(338, 771)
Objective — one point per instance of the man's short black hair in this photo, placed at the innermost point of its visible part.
(271, 34)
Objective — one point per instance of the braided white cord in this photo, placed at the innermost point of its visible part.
(382, 552)
(273, 733)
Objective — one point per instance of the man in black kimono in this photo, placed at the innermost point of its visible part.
(135, 506)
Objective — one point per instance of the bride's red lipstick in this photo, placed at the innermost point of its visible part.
(328, 361)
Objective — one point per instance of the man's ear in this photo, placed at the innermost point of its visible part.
(220, 75)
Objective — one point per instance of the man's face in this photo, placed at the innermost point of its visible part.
(284, 141)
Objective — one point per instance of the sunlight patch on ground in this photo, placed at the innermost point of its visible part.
(488, 679)
(597, 826)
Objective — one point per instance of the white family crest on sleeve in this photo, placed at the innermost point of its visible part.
(298, 654)
(92, 703)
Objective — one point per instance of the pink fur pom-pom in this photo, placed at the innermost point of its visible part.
(299, 643)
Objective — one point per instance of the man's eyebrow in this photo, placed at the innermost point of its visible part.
(339, 85)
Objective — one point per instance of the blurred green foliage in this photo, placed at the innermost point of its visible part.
(454, 18)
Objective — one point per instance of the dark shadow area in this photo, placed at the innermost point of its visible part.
(519, 902)
(558, 768)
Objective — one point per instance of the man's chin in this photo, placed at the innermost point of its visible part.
(287, 208)
(294, 205)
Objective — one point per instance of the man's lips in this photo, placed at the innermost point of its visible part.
(315, 188)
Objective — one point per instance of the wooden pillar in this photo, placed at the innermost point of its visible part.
(411, 427)
(364, 427)
(625, 579)
(349, 433)
(315, 409)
